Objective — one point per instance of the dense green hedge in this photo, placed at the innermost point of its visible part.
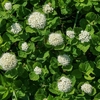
(49, 49)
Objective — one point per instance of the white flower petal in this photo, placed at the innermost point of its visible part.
(37, 20)
(64, 84)
(8, 61)
(8, 6)
(55, 39)
(63, 59)
(37, 70)
(24, 46)
(15, 28)
(87, 88)
(84, 36)
(47, 8)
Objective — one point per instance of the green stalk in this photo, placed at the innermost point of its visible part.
(76, 19)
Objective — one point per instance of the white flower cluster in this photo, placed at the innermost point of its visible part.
(24, 46)
(15, 28)
(63, 59)
(8, 6)
(55, 39)
(8, 61)
(37, 70)
(84, 36)
(37, 20)
(87, 88)
(47, 8)
(70, 34)
(64, 84)
(45, 99)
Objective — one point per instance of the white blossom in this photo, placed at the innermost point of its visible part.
(55, 39)
(45, 99)
(47, 8)
(37, 70)
(63, 59)
(8, 61)
(8, 6)
(84, 36)
(37, 20)
(15, 28)
(24, 46)
(70, 34)
(87, 88)
(64, 84)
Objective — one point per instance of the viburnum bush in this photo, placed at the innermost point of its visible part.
(49, 49)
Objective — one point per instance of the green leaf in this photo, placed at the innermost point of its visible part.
(98, 64)
(91, 20)
(28, 29)
(37, 64)
(53, 62)
(67, 68)
(53, 88)
(61, 47)
(20, 94)
(83, 47)
(97, 48)
(11, 73)
(2, 89)
(1, 40)
(84, 67)
(52, 70)
(35, 39)
(46, 54)
(22, 54)
(77, 73)
(88, 74)
(16, 7)
(5, 46)
(2, 22)
(97, 96)
(33, 76)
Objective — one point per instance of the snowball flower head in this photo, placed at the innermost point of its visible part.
(47, 8)
(87, 88)
(24, 46)
(45, 99)
(63, 59)
(70, 34)
(8, 61)
(64, 84)
(37, 70)
(8, 6)
(15, 28)
(84, 36)
(55, 39)
(37, 20)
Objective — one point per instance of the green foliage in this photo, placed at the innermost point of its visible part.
(22, 82)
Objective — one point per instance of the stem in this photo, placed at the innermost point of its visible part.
(76, 19)
(61, 95)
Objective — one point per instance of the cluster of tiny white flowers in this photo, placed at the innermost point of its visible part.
(64, 84)
(8, 6)
(84, 36)
(47, 8)
(37, 20)
(37, 70)
(55, 39)
(63, 59)
(70, 34)
(24, 46)
(8, 61)
(87, 88)
(45, 99)
(15, 28)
